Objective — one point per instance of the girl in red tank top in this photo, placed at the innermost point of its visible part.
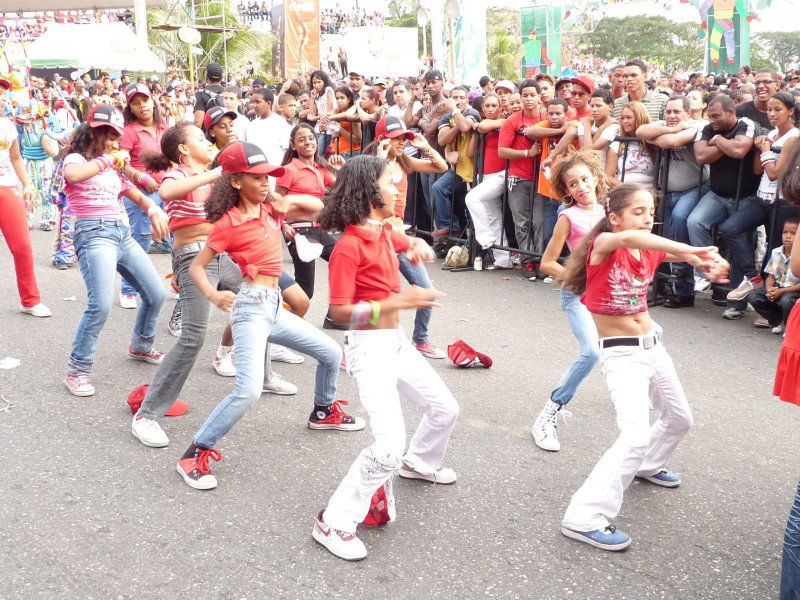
(612, 269)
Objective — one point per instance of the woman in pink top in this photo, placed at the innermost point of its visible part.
(103, 243)
(13, 209)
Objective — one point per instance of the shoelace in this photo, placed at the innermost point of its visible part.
(610, 529)
(83, 380)
(201, 460)
(337, 412)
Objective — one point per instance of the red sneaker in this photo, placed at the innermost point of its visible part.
(194, 467)
(335, 418)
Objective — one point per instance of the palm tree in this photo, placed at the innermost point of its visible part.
(503, 61)
(241, 44)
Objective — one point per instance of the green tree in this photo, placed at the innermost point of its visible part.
(503, 55)
(783, 47)
(656, 39)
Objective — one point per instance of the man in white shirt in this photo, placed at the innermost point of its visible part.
(269, 131)
(230, 100)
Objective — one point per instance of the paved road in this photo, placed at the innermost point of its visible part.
(87, 512)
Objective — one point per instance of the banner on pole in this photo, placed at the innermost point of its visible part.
(301, 36)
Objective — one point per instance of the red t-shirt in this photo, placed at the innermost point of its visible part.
(492, 163)
(618, 285)
(302, 178)
(364, 265)
(189, 209)
(136, 139)
(511, 137)
(254, 243)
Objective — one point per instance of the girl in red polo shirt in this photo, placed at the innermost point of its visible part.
(365, 291)
(247, 225)
(612, 268)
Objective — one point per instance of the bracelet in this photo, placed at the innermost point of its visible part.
(376, 312)
(103, 162)
(361, 314)
(768, 156)
(526, 153)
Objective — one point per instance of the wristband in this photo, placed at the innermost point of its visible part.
(526, 153)
(361, 314)
(376, 312)
(768, 156)
(104, 162)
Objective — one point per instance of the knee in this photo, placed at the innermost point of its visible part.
(681, 422)
(447, 411)
(727, 231)
(591, 353)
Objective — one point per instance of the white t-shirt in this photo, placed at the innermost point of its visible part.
(240, 124)
(639, 167)
(609, 133)
(767, 188)
(8, 135)
(272, 136)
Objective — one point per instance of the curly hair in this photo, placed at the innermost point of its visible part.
(222, 198)
(589, 159)
(173, 137)
(355, 193)
(87, 138)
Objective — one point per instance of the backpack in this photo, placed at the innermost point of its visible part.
(381, 506)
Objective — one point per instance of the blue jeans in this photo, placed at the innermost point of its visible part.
(585, 331)
(417, 275)
(679, 206)
(444, 191)
(790, 568)
(258, 316)
(104, 247)
(427, 180)
(552, 209)
(140, 230)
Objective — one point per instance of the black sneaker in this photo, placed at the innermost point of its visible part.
(679, 302)
(334, 417)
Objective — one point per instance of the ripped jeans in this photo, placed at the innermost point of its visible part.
(790, 569)
(385, 365)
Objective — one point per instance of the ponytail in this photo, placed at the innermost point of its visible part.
(170, 154)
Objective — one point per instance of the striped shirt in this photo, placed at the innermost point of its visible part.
(654, 102)
(190, 209)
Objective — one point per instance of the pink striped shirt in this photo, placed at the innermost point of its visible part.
(190, 209)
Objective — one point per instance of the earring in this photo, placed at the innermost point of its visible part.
(569, 200)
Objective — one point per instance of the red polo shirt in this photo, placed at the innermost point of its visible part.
(253, 243)
(303, 178)
(136, 139)
(511, 137)
(364, 265)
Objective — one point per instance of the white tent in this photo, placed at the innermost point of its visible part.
(112, 46)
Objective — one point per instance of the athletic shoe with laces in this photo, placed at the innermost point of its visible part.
(195, 468)
(154, 357)
(701, 284)
(747, 286)
(283, 354)
(544, 427)
(339, 543)
(732, 314)
(429, 350)
(664, 478)
(223, 361)
(149, 432)
(127, 300)
(37, 310)
(778, 329)
(175, 324)
(442, 475)
(610, 538)
(335, 418)
(276, 384)
(79, 385)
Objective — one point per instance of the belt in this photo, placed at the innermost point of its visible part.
(191, 247)
(644, 341)
(302, 224)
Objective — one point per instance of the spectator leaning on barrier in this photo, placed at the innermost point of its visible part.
(631, 161)
(676, 134)
(504, 89)
(635, 74)
(726, 144)
(582, 89)
(756, 110)
(428, 120)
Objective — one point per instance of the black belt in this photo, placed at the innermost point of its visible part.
(645, 341)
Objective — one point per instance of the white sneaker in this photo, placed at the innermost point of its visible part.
(701, 284)
(544, 427)
(442, 475)
(778, 330)
(339, 543)
(149, 432)
(747, 286)
(276, 384)
(37, 310)
(283, 354)
(731, 314)
(223, 361)
(127, 300)
(548, 279)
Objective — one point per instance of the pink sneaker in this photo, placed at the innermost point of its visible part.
(79, 385)
(429, 350)
(154, 357)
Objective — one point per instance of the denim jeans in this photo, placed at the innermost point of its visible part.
(258, 316)
(444, 192)
(790, 568)
(427, 180)
(585, 331)
(679, 206)
(520, 201)
(715, 210)
(545, 214)
(775, 312)
(174, 370)
(140, 230)
(417, 275)
(104, 247)
(738, 231)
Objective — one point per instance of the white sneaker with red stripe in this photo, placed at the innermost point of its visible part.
(154, 357)
(429, 350)
(339, 543)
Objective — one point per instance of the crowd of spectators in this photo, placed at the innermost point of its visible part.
(25, 27)
(333, 20)
(250, 12)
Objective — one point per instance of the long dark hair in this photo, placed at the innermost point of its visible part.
(574, 275)
(222, 198)
(347, 92)
(355, 193)
(320, 74)
(291, 153)
(86, 138)
(173, 137)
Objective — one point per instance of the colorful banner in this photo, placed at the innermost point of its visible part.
(301, 36)
(540, 49)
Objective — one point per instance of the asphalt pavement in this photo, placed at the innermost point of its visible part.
(86, 511)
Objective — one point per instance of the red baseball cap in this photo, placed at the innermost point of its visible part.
(243, 157)
(584, 81)
(464, 355)
(5, 80)
(136, 88)
(105, 115)
(136, 397)
(392, 127)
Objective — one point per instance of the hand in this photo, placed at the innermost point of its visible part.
(150, 185)
(324, 120)
(535, 150)
(529, 130)
(29, 195)
(314, 93)
(447, 105)
(215, 173)
(118, 159)
(336, 161)
(383, 148)
(766, 145)
(774, 293)
(159, 225)
(419, 142)
(759, 140)
(420, 252)
(223, 299)
(546, 164)
(414, 297)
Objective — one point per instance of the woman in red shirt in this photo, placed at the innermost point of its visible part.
(247, 220)
(611, 269)
(365, 291)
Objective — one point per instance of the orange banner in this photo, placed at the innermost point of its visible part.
(301, 36)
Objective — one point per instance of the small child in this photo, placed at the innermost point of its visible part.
(774, 300)
(286, 107)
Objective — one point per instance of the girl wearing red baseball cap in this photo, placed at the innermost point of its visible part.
(365, 291)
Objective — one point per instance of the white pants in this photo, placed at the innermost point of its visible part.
(385, 365)
(485, 205)
(635, 376)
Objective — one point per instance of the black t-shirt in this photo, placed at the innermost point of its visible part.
(725, 171)
(749, 110)
(206, 97)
